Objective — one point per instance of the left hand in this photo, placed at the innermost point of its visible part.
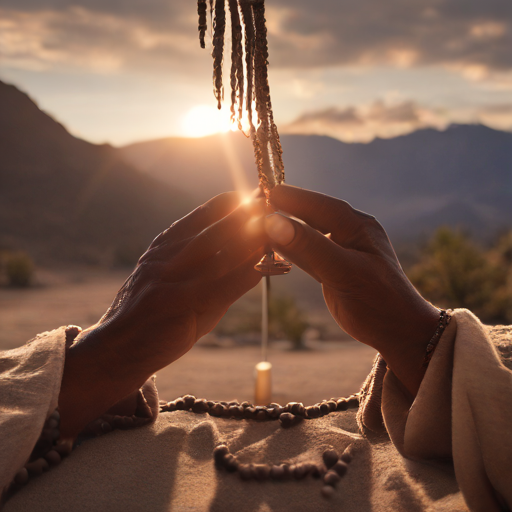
(180, 289)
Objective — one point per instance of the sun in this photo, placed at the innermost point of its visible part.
(203, 120)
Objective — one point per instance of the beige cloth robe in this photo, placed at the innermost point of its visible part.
(463, 410)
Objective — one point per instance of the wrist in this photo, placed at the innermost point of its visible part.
(405, 352)
(95, 378)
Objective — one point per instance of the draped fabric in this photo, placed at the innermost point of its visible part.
(448, 450)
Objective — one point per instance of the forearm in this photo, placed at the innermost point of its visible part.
(95, 378)
(405, 352)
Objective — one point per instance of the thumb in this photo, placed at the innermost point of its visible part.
(309, 249)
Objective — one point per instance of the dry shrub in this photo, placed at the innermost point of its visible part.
(453, 271)
(19, 269)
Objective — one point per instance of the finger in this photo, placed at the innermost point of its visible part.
(212, 239)
(241, 279)
(309, 249)
(323, 213)
(250, 239)
(200, 218)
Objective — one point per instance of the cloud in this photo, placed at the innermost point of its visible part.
(472, 37)
(83, 39)
(378, 119)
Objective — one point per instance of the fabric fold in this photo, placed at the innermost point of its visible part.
(463, 411)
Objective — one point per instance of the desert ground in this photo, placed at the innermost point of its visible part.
(224, 370)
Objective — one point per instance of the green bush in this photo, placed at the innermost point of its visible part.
(19, 269)
(454, 272)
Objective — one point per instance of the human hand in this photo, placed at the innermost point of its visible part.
(181, 287)
(364, 286)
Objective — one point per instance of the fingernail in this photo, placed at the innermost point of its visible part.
(279, 228)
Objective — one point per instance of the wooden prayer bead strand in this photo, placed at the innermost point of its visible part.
(288, 415)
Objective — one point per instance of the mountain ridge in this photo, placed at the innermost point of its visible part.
(464, 171)
(65, 199)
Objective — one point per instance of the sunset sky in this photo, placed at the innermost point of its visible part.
(125, 70)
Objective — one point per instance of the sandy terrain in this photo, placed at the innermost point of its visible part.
(327, 369)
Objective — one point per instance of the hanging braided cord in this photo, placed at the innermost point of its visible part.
(249, 14)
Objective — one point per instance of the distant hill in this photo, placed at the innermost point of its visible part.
(62, 198)
(461, 176)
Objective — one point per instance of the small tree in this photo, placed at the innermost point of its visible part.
(19, 269)
(454, 272)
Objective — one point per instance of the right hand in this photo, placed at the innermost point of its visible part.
(364, 286)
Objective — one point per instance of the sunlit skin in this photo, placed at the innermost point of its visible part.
(196, 269)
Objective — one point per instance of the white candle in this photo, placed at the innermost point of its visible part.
(263, 390)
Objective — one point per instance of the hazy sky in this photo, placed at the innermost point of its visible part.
(127, 70)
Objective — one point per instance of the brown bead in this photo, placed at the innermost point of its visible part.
(277, 473)
(127, 422)
(250, 413)
(225, 412)
(21, 477)
(51, 423)
(180, 404)
(230, 462)
(300, 471)
(216, 410)
(224, 403)
(236, 411)
(170, 407)
(246, 471)
(313, 411)
(233, 403)
(37, 467)
(261, 415)
(332, 405)
(189, 400)
(327, 491)
(55, 415)
(219, 453)
(273, 405)
(330, 458)
(53, 458)
(309, 467)
(340, 467)
(245, 404)
(287, 470)
(272, 413)
(324, 408)
(261, 472)
(331, 478)
(200, 406)
(298, 409)
(210, 403)
(341, 405)
(286, 419)
(106, 427)
(64, 448)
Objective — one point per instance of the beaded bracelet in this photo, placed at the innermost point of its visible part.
(444, 319)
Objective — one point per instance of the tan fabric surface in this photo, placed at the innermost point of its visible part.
(30, 378)
(168, 466)
(463, 409)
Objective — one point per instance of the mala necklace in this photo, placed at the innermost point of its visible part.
(334, 466)
(249, 82)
